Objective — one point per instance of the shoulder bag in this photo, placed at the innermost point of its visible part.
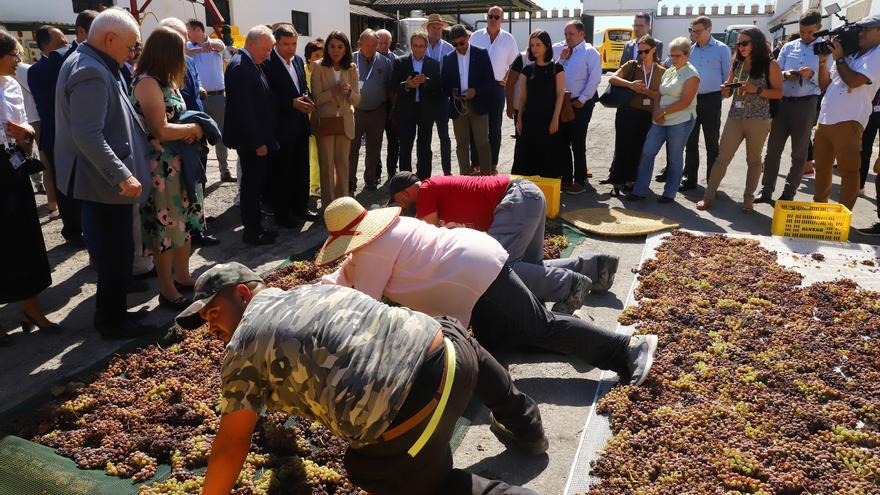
(329, 126)
(566, 113)
(616, 96)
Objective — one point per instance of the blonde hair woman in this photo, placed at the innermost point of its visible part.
(336, 90)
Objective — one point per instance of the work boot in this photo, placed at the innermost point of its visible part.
(509, 439)
(577, 297)
(606, 268)
(640, 354)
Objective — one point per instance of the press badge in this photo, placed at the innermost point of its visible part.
(877, 108)
(738, 104)
(17, 160)
(361, 85)
(646, 102)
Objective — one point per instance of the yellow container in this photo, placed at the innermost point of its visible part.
(552, 189)
(818, 221)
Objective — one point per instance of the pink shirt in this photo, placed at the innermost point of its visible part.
(437, 271)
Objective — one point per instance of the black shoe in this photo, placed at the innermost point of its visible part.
(665, 199)
(205, 240)
(125, 331)
(786, 198)
(764, 198)
(370, 187)
(137, 285)
(872, 231)
(77, 242)
(508, 438)
(178, 304)
(687, 186)
(633, 197)
(606, 181)
(606, 268)
(261, 239)
(661, 177)
(227, 177)
(210, 218)
(309, 216)
(288, 223)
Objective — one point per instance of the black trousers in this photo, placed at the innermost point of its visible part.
(386, 469)
(392, 151)
(508, 315)
(108, 235)
(288, 177)
(868, 137)
(69, 208)
(254, 170)
(442, 122)
(574, 145)
(709, 119)
(631, 127)
(418, 125)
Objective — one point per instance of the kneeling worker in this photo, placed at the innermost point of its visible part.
(512, 210)
(390, 381)
(463, 273)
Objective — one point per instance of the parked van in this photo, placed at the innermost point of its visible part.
(610, 43)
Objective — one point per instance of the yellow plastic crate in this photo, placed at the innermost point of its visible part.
(552, 189)
(818, 221)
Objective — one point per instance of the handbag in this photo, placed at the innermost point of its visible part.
(330, 126)
(21, 162)
(616, 96)
(566, 113)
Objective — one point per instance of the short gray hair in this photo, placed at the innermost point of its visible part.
(114, 20)
(367, 33)
(384, 32)
(257, 32)
(175, 24)
(681, 44)
(419, 34)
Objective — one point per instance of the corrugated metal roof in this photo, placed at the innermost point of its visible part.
(446, 5)
(367, 12)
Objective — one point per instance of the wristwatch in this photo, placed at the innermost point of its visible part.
(840, 60)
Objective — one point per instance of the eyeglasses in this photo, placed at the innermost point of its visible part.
(696, 31)
(494, 17)
(15, 55)
(676, 55)
(645, 52)
(459, 43)
(742, 44)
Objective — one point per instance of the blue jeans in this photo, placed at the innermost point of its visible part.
(675, 137)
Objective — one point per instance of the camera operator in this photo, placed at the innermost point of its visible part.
(849, 88)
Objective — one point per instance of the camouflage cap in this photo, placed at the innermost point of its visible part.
(209, 284)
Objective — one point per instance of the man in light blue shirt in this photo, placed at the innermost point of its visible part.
(583, 72)
(712, 60)
(797, 111)
(437, 49)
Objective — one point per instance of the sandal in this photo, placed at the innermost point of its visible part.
(178, 304)
(704, 204)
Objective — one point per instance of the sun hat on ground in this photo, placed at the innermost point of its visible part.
(435, 19)
(351, 227)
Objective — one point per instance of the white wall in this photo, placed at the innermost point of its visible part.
(49, 11)
(326, 15)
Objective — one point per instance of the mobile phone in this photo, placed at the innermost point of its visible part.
(414, 74)
(733, 85)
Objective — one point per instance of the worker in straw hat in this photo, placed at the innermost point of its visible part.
(437, 49)
(463, 273)
(513, 211)
(390, 381)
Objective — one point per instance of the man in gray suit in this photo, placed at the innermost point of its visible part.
(101, 159)
(641, 27)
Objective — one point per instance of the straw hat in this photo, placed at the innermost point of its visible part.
(352, 227)
(435, 19)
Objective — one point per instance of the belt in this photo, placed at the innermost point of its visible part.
(215, 93)
(436, 406)
(799, 98)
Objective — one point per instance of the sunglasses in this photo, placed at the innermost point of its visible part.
(645, 52)
(742, 44)
(696, 31)
(494, 17)
(459, 43)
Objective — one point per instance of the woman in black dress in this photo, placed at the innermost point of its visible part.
(540, 104)
(26, 267)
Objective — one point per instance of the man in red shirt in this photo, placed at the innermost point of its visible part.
(513, 211)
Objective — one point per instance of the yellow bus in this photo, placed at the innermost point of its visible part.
(610, 44)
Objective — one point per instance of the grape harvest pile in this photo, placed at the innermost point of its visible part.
(759, 386)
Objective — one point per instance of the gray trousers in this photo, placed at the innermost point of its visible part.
(369, 123)
(463, 126)
(519, 226)
(795, 118)
(215, 106)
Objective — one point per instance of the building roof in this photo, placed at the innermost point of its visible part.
(365, 11)
(453, 6)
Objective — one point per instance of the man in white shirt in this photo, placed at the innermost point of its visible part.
(849, 88)
(208, 55)
(502, 51)
(583, 72)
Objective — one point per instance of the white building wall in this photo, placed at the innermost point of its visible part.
(48, 11)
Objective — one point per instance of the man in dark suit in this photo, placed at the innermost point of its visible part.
(289, 166)
(249, 127)
(468, 80)
(641, 27)
(419, 100)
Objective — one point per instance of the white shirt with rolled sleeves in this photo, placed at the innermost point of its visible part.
(502, 51)
(583, 70)
(210, 65)
(842, 103)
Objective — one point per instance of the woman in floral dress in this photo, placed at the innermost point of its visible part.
(170, 216)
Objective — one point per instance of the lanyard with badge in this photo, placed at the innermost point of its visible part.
(647, 101)
(373, 64)
(741, 91)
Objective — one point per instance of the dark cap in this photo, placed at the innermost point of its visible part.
(400, 182)
(869, 22)
(458, 31)
(209, 284)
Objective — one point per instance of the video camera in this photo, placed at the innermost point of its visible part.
(847, 35)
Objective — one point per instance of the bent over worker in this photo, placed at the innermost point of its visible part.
(390, 381)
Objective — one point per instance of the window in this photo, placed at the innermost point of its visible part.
(300, 21)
